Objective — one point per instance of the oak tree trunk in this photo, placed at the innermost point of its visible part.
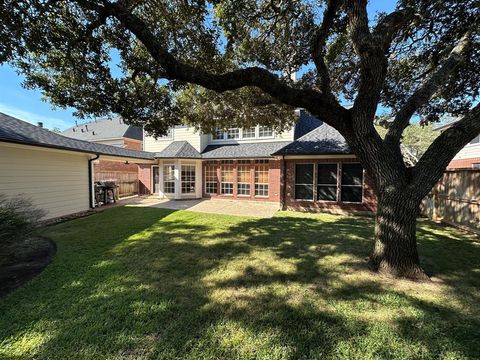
(395, 251)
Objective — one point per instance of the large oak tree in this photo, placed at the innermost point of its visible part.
(227, 62)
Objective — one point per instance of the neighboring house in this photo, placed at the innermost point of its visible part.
(308, 167)
(469, 156)
(113, 132)
(53, 170)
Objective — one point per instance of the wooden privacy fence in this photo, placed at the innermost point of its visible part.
(456, 199)
(127, 181)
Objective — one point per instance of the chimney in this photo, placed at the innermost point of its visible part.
(93, 132)
(40, 124)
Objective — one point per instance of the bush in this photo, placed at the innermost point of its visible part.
(18, 219)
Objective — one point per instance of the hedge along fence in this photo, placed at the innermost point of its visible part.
(455, 199)
(127, 181)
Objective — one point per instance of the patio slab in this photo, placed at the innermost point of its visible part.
(213, 206)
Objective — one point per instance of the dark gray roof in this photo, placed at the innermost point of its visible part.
(323, 140)
(113, 128)
(238, 151)
(305, 124)
(17, 131)
(179, 149)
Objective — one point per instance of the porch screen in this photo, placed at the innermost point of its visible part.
(168, 179)
(304, 181)
(327, 182)
(352, 182)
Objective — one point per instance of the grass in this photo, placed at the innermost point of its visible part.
(155, 283)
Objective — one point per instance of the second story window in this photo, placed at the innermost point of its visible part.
(265, 131)
(248, 133)
(218, 135)
(233, 133)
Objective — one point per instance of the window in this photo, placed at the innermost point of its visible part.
(156, 179)
(211, 179)
(262, 161)
(352, 182)
(218, 135)
(188, 179)
(248, 133)
(244, 162)
(243, 180)
(226, 187)
(304, 181)
(327, 182)
(233, 133)
(261, 180)
(168, 179)
(226, 162)
(265, 131)
(476, 166)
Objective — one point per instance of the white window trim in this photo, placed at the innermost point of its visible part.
(240, 137)
(167, 138)
(163, 180)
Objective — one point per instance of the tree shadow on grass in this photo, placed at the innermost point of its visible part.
(165, 284)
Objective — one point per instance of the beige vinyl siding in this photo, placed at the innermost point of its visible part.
(468, 152)
(56, 181)
(181, 133)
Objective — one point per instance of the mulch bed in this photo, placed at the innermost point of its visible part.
(23, 261)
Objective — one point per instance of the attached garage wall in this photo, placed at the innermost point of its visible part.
(55, 181)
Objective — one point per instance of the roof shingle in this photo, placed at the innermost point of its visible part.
(179, 149)
(239, 151)
(113, 128)
(324, 140)
(20, 132)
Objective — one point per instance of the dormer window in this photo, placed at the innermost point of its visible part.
(249, 133)
(265, 132)
(233, 133)
(257, 132)
(218, 134)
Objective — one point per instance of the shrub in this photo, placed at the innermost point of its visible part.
(18, 218)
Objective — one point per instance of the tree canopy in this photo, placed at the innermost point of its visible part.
(224, 63)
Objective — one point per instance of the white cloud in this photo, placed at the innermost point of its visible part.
(48, 121)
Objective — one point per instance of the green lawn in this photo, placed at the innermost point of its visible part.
(154, 283)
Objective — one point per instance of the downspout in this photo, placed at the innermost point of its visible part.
(284, 183)
(90, 181)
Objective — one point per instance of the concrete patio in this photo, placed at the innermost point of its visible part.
(213, 206)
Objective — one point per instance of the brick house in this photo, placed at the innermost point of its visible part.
(109, 132)
(308, 167)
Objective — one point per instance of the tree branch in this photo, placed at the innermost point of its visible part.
(432, 164)
(425, 91)
(389, 26)
(318, 45)
(316, 102)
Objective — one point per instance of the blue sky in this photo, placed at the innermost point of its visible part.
(28, 105)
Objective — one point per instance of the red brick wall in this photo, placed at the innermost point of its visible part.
(463, 163)
(274, 182)
(369, 197)
(144, 179)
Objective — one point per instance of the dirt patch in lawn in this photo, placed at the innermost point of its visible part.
(23, 261)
